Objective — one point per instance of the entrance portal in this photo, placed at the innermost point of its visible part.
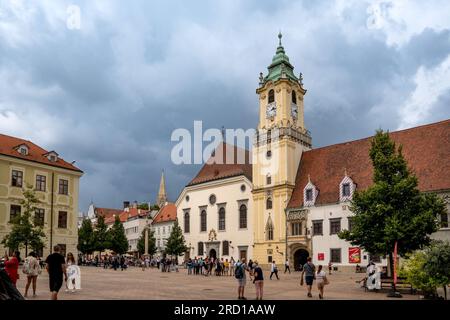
(300, 257)
(213, 254)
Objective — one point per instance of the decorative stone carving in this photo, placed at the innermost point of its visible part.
(300, 214)
(212, 236)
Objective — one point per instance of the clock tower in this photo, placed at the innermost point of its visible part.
(280, 139)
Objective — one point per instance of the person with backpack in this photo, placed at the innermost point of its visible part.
(274, 270)
(239, 274)
(309, 270)
(31, 269)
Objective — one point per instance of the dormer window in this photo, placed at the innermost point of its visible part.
(52, 156)
(310, 193)
(346, 189)
(22, 149)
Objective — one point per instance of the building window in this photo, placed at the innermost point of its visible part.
(350, 224)
(346, 190)
(40, 182)
(164, 230)
(200, 249)
(212, 199)
(14, 212)
(294, 97)
(186, 222)
(268, 179)
(63, 249)
(39, 216)
(23, 150)
(62, 219)
(269, 259)
(269, 229)
(243, 216)
(271, 97)
(222, 218)
(375, 258)
(17, 178)
(225, 248)
(269, 140)
(63, 186)
(296, 228)
(318, 227)
(269, 203)
(444, 220)
(203, 221)
(335, 255)
(335, 226)
(309, 194)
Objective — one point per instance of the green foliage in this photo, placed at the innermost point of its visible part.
(143, 206)
(155, 207)
(151, 243)
(24, 232)
(86, 239)
(116, 238)
(101, 241)
(176, 243)
(392, 209)
(429, 268)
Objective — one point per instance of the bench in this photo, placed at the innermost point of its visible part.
(401, 283)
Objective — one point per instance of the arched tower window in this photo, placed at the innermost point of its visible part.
(268, 179)
(269, 203)
(294, 97)
(271, 97)
(269, 229)
(222, 218)
(203, 220)
(186, 222)
(243, 216)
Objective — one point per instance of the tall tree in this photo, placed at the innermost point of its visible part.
(117, 239)
(25, 231)
(86, 240)
(175, 243)
(101, 235)
(143, 206)
(151, 243)
(392, 209)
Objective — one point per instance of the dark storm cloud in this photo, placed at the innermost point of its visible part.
(110, 94)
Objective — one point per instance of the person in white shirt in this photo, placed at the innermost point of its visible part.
(274, 270)
(321, 280)
(286, 266)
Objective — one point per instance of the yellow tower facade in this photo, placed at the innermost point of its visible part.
(279, 142)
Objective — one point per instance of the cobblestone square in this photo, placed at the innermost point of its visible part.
(152, 284)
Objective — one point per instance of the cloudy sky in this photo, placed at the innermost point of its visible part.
(109, 91)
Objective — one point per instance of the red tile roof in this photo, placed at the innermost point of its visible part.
(106, 212)
(166, 214)
(426, 149)
(8, 147)
(125, 215)
(229, 166)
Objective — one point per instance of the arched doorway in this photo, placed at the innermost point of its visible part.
(300, 257)
(213, 254)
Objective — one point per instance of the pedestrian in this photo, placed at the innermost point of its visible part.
(286, 266)
(12, 267)
(274, 270)
(329, 267)
(322, 280)
(241, 277)
(56, 268)
(232, 263)
(250, 269)
(258, 280)
(123, 265)
(31, 269)
(73, 274)
(309, 271)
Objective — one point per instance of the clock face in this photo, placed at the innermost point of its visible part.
(294, 111)
(271, 110)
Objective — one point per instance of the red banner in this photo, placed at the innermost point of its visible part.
(320, 256)
(354, 255)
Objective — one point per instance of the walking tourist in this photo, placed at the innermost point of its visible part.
(330, 266)
(250, 269)
(322, 280)
(31, 269)
(274, 270)
(232, 263)
(56, 268)
(258, 280)
(73, 272)
(308, 270)
(12, 267)
(241, 277)
(286, 266)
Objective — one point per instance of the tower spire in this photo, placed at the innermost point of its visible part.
(162, 196)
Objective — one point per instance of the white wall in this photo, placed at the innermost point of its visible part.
(162, 232)
(228, 193)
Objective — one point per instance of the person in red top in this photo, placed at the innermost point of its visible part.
(12, 267)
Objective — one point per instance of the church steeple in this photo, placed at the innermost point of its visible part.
(162, 196)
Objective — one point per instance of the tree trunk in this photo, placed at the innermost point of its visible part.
(391, 267)
(445, 292)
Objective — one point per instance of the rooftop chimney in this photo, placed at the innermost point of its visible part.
(126, 204)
